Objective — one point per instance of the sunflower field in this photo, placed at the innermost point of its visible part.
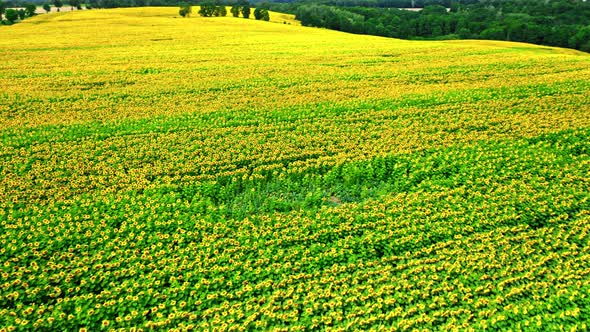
(224, 174)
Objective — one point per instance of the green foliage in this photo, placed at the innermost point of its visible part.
(58, 4)
(235, 10)
(75, 4)
(2, 10)
(11, 15)
(46, 7)
(185, 10)
(556, 23)
(220, 10)
(209, 9)
(581, 40)
(497, 33)
(245, 9)
(261, 14)
(30, 9)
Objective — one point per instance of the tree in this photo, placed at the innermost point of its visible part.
(245, 9)
(75, 3)
(207, 9)
(2, 9)
(258, 13)
(464, 33)
(581, 40)
(496, 33)
(185, 10)
(30, 9)
(220, 11)
(516, 26)
(93, 4)
(47, 7)
(58, 4)
(434, 10)
(261, 12)
(235, 10)
(11, 15)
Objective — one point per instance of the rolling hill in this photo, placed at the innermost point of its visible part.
(160, 172)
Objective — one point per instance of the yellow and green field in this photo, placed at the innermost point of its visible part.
(224, 174)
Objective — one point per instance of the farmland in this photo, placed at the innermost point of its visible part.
(159, 172)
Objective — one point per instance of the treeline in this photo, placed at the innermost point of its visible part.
(41, 3)
(130, 3)
(564, 23)
(13, 12)
(209, 9)
(10, 16)
(380, 3)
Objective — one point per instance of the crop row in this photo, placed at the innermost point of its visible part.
(416, 258)
(61, 162)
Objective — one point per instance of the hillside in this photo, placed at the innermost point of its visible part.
(229, 174)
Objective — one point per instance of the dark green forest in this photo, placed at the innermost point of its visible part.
(564, 23)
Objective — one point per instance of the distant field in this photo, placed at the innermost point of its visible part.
(161, 172)
(40, 10)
